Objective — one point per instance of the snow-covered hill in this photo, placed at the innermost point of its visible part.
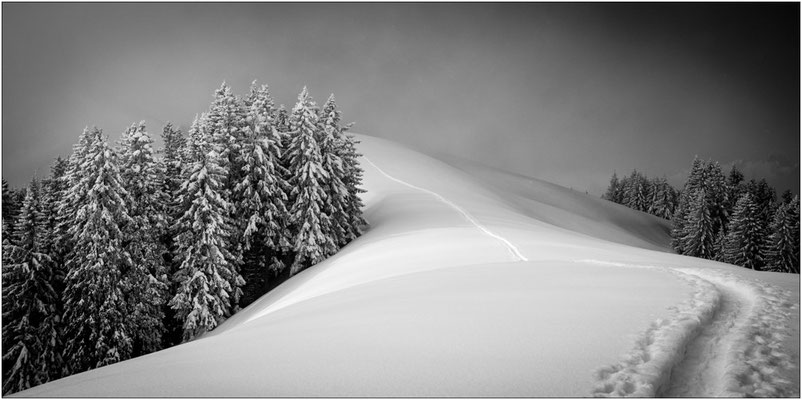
(476, 282)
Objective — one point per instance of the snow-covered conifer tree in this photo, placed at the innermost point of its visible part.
(332, 163)
(205, 292)
(96, 314)
(353, 183)
(282, 120)
(31, 331)
(783, 253)
(173, 162)
(347, 212)
(172, 165)
(719, 244)
(262, 188)
(10, 206)
(145, 281)
(613, 192)
(624, 188)
(699, 237)
(53, 190)
(225, 123)
(637, 195)
(745, 242)
(694, 182)
(655, 193)
(787, 197)
(662, 201)
(75, 188)
(765, 198)
(308, 179)
(735, 187)
(262, 194)
(718, 196)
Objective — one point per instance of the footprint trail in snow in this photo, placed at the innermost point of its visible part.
(725, 341)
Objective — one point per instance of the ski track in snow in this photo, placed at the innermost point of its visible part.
(725, 341)
(516, 254)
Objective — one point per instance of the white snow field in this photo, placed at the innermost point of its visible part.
(474, 282)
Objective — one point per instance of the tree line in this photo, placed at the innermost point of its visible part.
(722, 218)
(124, 250)
(653, 196)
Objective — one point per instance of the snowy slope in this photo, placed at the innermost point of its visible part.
(569, 209)
(475, 282)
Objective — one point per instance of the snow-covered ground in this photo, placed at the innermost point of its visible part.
(477, 282)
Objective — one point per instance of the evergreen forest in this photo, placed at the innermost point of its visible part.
(718, 217)
(124, 249)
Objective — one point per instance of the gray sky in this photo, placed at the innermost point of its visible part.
(563, 92)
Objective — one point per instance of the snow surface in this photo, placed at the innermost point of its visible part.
(476, 282)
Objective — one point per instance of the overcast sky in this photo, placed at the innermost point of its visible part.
(564, 92)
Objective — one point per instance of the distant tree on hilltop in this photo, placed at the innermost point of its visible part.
(720, 217)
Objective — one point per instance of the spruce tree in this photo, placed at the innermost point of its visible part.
(262, 194)
(735, 188)
(745, 242)
(145, 281)
(735, 177)
(96, 314)
(699, 235)
(348, 212)
(173, 163)
(224, 124)
(282, 120)
(787, 197)
(332, 163)
(655, 192)
(613, 190)
(694, 182)
(10, 207)
(172, 167)
(783, 253)
(307, 179)
(262, 188)
(74, 193)
(282, 124)
(662, 201)
(205, 294)
(765, 198)
(6, 212)
(53, 190)
(31, 331)
(716, 189)
(353, 183)
(719, 245)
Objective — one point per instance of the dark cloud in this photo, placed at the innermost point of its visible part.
(563, 92)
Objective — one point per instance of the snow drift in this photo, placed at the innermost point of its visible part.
(475, 282)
